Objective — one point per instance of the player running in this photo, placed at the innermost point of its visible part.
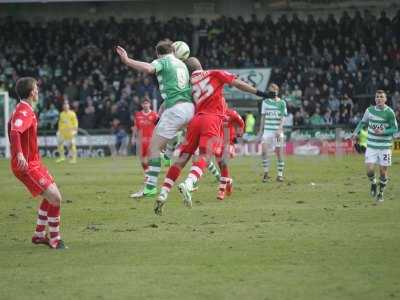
(233, 128)
(66, 134)
(173, 79)
(144, 124)
(273, 111)
(203, 131)
(28, 168)
(382, 125)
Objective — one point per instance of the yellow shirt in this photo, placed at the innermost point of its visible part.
(67, 124)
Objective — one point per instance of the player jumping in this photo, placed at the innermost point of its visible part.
(173, 79)
(144, 124)
(203, 131)
(382, 125)
(28, 168)
(273, 111)
(66, 134)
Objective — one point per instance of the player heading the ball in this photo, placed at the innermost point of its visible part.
(177, 109)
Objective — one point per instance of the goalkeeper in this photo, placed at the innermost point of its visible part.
(66, 134)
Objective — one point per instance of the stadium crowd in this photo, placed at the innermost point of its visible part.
(327, 68)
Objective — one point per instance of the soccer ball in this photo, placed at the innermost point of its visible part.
(181, 50)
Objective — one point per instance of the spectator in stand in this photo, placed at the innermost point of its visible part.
(316, 118)
(88, 118)
(313, 60)
(121, 139)
(395, 101)
(146, 88)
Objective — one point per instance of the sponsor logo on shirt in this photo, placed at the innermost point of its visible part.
(18, 123)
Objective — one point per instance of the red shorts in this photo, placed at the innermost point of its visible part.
(203, 132)
(144, 150)
(143, 146)
(37, 179)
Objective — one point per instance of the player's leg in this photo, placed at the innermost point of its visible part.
(143, 153)
(280, 163)
(265, 160)
(279, 144)
(213, 169)
(385, 160)
(383, 179)
(196, 172)
(39, 237)
(73, 151)
(169, 151)
(40, 182)
(207, 139)
(172, 120)
(53, 196)
(371, 158)
(224, 179)
(170, 178)
(157, 144)
(372, 179)
(60, 148)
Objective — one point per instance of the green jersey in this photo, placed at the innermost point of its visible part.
(382, 119)
(274, 111)
(173, 80)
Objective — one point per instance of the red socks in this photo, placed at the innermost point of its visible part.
(53, 216)
(41, 221)
(172, 175)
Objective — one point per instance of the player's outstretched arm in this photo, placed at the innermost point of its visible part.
(140, 66)
(245, 87)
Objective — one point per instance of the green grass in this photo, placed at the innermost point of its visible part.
(290, 240)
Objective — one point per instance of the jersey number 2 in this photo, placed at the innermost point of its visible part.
(202, 90)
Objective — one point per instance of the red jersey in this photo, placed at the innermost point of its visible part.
(207, 88)
(23, 120)
(145, 123)
(233, 121)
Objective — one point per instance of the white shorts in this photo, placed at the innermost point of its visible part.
(174, 119)
(382, 157)
(270, 139)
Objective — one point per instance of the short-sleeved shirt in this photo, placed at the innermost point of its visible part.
(23, 120)
(173, 80)
(145, 123)
(207, 89)
(274, 111)
(383, 119)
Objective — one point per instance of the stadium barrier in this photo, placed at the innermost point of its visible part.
(299, 140)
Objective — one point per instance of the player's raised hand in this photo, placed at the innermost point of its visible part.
(22, 164)
(122, 53)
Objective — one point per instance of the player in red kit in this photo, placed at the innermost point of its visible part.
(144, 124)
(204, 130)
(28, 168)
(233, 127)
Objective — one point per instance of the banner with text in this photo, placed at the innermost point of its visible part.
(256, 77)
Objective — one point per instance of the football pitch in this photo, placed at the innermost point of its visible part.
(318, 235)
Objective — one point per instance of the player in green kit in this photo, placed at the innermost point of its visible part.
(382, 125)
(273, 111)
(177, 109)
